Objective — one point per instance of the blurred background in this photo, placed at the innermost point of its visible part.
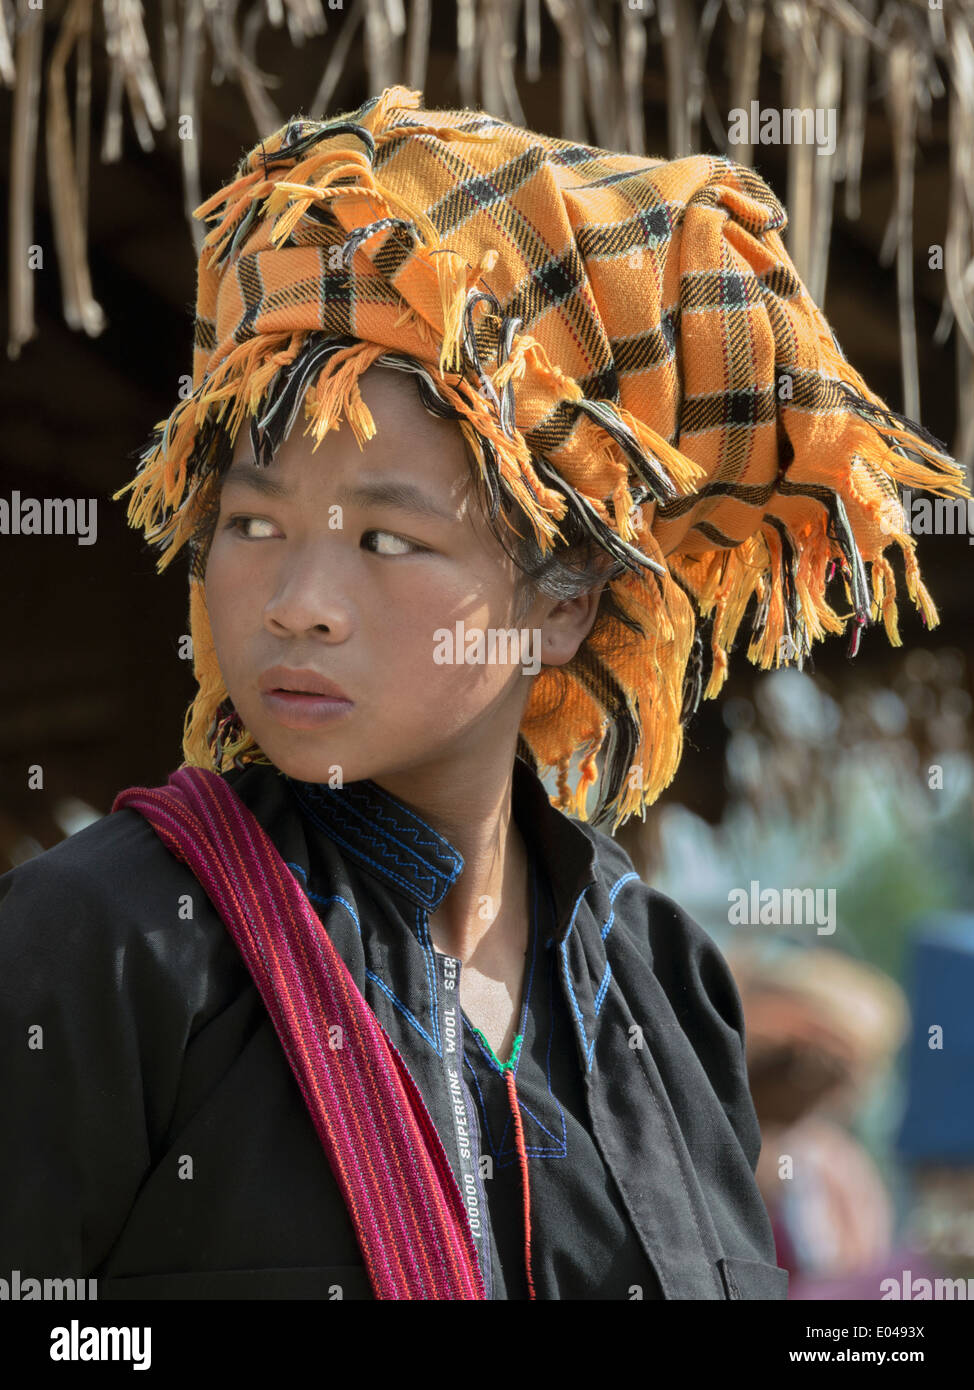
(852, 775)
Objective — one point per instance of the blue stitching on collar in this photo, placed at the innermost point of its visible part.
(432, 977)
(603, 987)
(385, 869)
(607, 972)
(351, 799)
(626, 878)
(571, 988)
(397, 1002)
(334, 811)
(407, 1013)
(332, 897)
(437, 841)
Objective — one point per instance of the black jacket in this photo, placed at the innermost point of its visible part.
(156, 1139)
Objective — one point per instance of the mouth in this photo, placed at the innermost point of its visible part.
(303, 681)
(288, 690)
(302, 699)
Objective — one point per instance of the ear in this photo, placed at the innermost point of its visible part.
(565, 625)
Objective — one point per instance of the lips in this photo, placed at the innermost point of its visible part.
(303, 681)
(303, 700)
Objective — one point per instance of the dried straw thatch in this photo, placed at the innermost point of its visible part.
(827, 52)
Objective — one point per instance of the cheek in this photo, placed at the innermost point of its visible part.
(226, 601)
(402, 620)
(427, 673)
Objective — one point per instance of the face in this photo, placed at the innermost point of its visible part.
(351, 564)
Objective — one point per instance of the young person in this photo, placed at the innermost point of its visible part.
(352, 1007)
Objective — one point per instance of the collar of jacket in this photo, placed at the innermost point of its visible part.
(395, 844)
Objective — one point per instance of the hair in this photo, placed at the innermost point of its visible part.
(576, 565)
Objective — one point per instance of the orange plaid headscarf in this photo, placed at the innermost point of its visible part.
(623, 338)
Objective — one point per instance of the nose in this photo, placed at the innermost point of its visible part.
(310, 596)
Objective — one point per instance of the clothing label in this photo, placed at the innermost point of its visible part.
(464, 1119)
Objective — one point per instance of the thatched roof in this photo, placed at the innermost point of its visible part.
(838, 56)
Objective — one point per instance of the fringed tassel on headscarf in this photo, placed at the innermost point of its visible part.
(238, 384)
(198, 728)
(650, 673)
(337, 394)
(205, 743)
(543, 506)
(653, 674)
(724, 582)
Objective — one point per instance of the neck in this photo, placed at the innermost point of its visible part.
(472, 808)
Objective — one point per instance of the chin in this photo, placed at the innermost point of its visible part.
(305, 764)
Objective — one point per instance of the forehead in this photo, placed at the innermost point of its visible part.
(422, 447)
(411, 451)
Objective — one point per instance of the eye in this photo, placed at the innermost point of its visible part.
(238, 523)
(407, 547)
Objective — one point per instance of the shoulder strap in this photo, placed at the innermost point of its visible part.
(382, 1146)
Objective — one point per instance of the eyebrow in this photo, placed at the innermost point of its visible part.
(389, 492)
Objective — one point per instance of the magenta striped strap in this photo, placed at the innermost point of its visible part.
(381, 1143)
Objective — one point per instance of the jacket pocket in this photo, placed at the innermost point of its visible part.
(327, 1282)
(753, 1278)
